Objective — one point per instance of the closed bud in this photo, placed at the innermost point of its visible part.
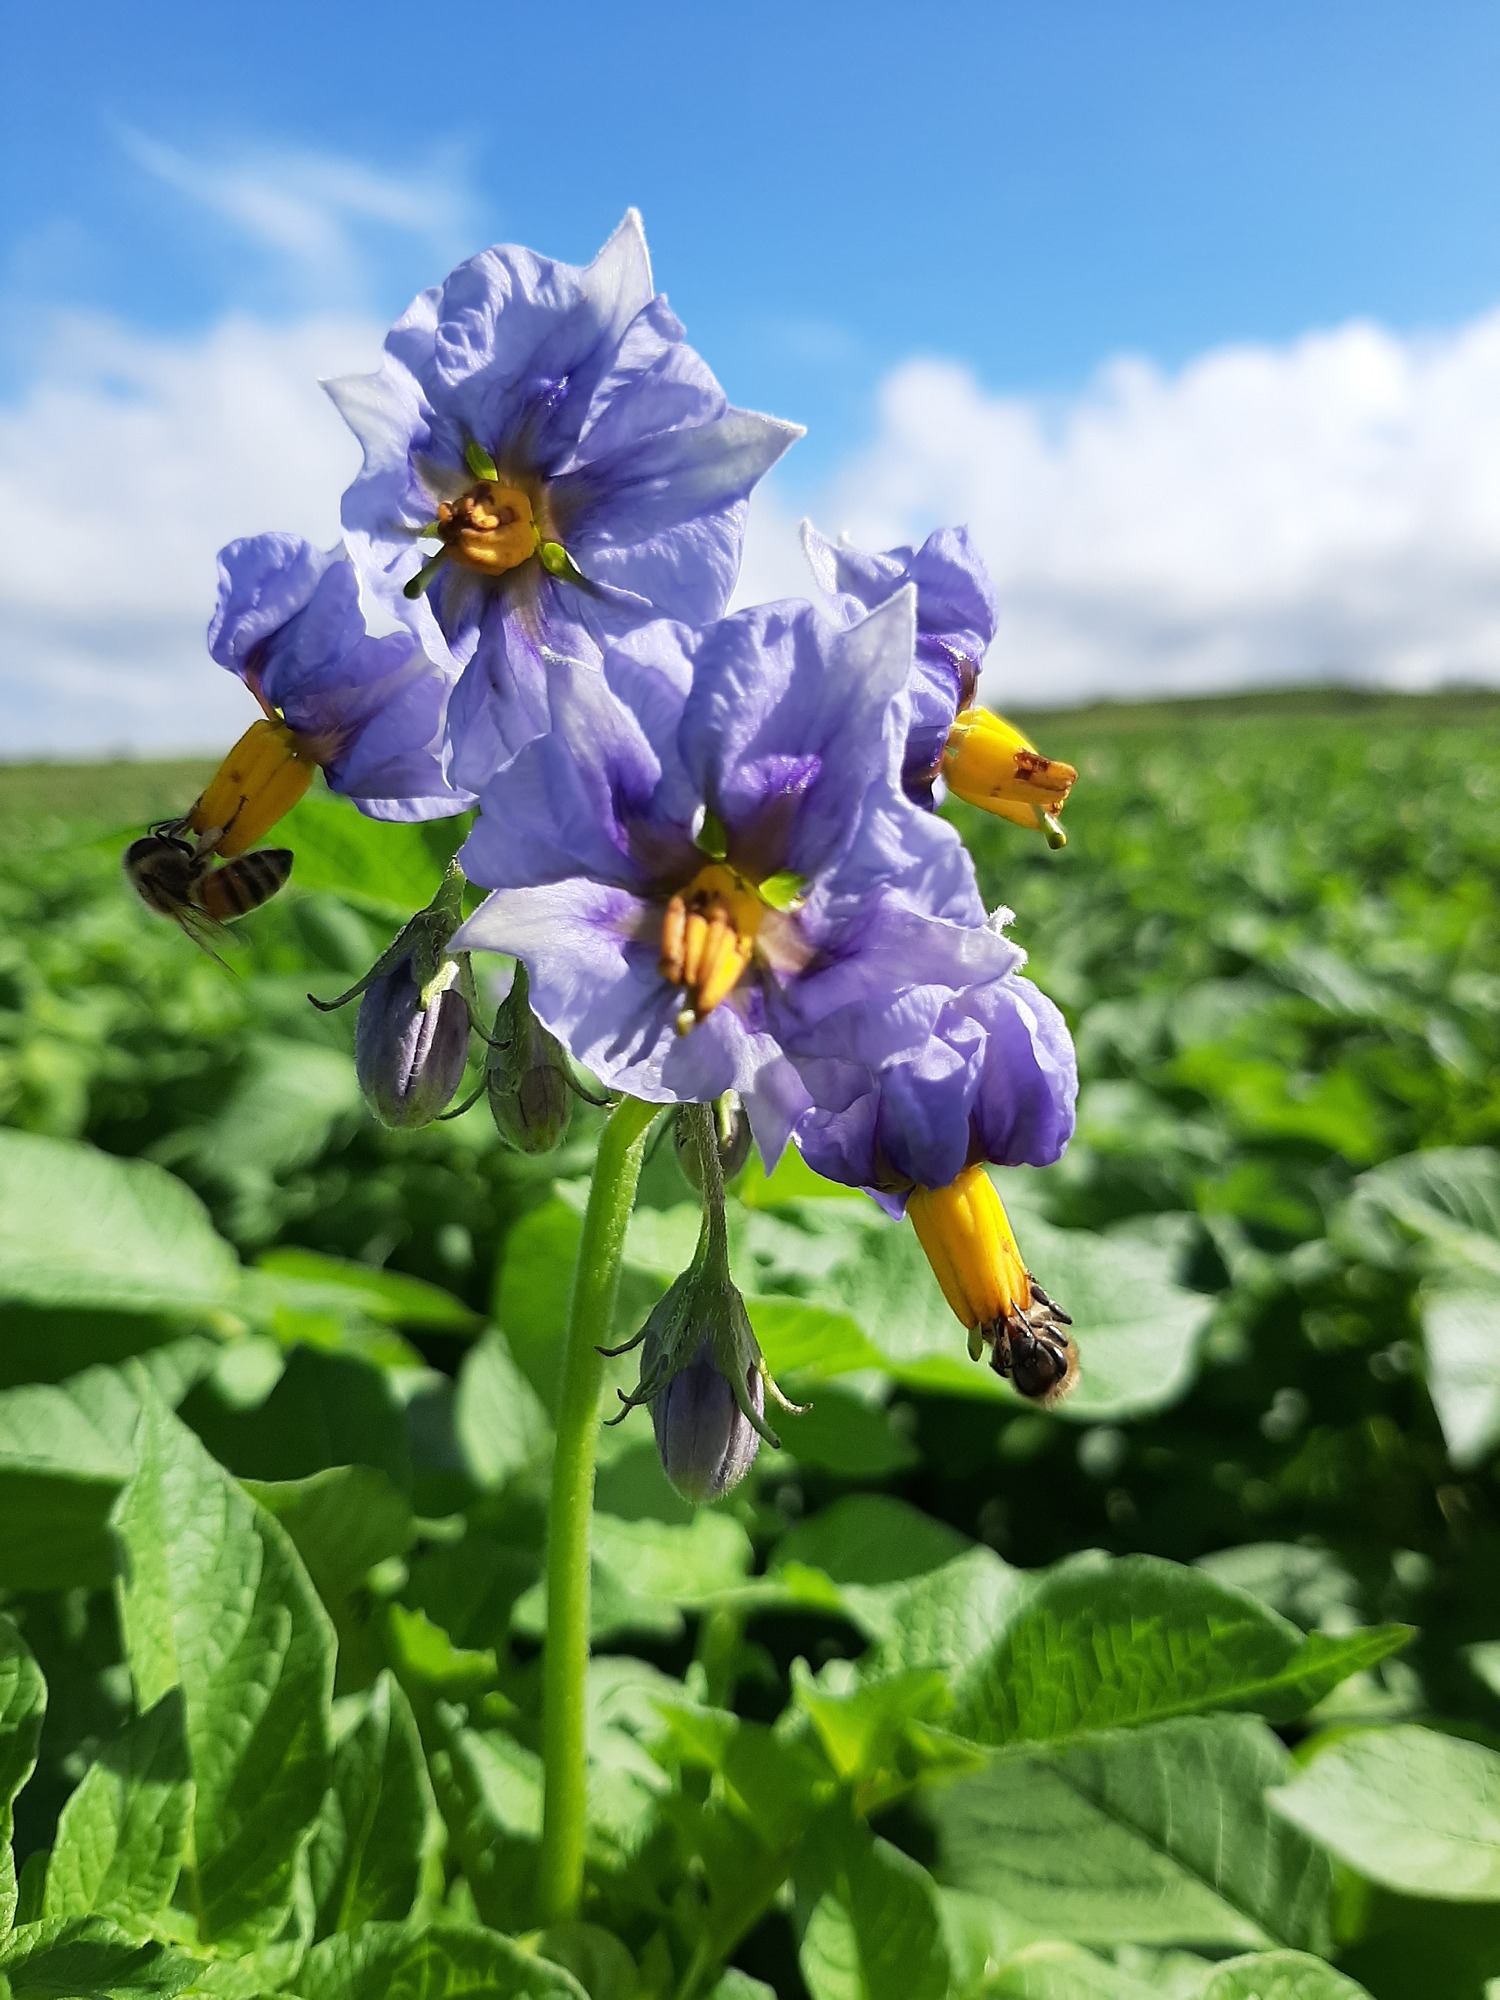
(732, 1132)
(411, 1043)
(706, 1443)
(527, 1076)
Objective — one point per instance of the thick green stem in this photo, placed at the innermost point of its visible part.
(566, 1659)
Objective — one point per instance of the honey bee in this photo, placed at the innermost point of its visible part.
(175, 876)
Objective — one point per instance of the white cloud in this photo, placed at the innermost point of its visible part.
(312, 210)
(123, 469)
(1327, 510)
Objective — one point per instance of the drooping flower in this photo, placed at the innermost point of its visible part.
(547, 464)
(995, 1082)
(979, 755)
(712, 847)
(370, 711)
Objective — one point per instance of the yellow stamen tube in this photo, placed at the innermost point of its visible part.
(259, 782)
(988, 762)
(968, 1240)
(971, 1247)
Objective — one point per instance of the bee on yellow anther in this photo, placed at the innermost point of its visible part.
(490, 528)
(259, 782)
(708, 939)
(966, 1234)
(988, 762)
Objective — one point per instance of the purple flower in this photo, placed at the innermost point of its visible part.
(571, 463)
(994, 1080)
(956, 618)
(711, 853)
(370, 711)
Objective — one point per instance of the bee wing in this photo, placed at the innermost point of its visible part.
(204, 930)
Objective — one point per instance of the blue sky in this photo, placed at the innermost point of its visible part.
(836, 196)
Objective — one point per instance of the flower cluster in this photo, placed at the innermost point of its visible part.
(708, 838)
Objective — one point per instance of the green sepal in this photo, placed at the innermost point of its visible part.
(422, 938)
(557, 562)
(712, 838)
(479, 461)
(784, 890)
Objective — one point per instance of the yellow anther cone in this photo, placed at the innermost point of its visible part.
(966, 1234)
(988, 762)
(259, 782)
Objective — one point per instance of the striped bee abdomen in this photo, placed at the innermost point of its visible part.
(244, 883)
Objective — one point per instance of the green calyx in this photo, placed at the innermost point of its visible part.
(424, 940)
(479, 461)
(528, 1076)
(712, 837)
(704, 1303)
(555, 559)
(783, 891)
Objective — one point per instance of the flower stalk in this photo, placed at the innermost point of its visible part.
(566, 1657)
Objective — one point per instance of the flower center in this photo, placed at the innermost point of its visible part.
(490, 528)
(708, 939)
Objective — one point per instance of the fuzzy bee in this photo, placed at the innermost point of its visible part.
(175, 876)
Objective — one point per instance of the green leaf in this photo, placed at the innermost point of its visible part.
(877, 1932)
(379, 1836)
(489, 1790)
(90, 1959)
(597, 1960)
(870, 1538)
(1444, 1202)
(389, 869)
(217, 1603)
(65, 1453)
(531, 1293)
(123, 1833)
(736, 1985)
(23, 1701)
(1461, 1333)
(1158, 1835)
(325, 1409)
(1102, 1643)
(1280, 1975)
(1411, 1809)
(342, 1523)
(947, 1618)
(502, 1424)
(80, 1227)
(443, 1962)
(848, 1436)
(878, 1731)
(645, 1573)
(1061, 1972)
(390, 1297)
(285, 1104)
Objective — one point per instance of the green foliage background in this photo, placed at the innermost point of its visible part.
(954, 1698)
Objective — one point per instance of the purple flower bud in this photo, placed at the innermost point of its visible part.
(706, 1444)
(527, 1076)
(409, 1051)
